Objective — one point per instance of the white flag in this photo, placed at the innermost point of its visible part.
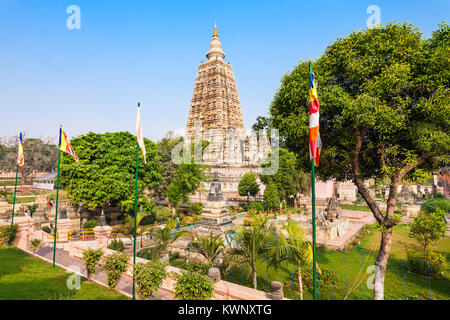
(140, 137)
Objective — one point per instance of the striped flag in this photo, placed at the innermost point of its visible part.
(315, 144)
(20, 157)
(64, 145)
(140, 137)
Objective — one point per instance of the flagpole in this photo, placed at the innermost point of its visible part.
(135, 211)
(313, 191)
(56, 206)
(14, 205)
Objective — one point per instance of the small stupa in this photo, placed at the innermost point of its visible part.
(215, 215)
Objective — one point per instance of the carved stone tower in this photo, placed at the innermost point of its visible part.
(215, 115)
(215, 101)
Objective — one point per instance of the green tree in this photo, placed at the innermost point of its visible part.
(248, 186)
(385, 112)
(209, 247)
(187, 180)
(271, 200)
(164, 237)
(40, 155)
(289, 179)
(105, 175)
(169, 168)
(250, 242)
(428, 228)
(292, 247)
(115, 265)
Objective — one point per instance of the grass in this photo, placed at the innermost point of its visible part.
(351, 267)
(21, 199)
(24, 277)
(354, 207)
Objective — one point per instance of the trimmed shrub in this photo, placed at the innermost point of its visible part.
(115, 265)
(46, 229)
(35, 244)
(196, 208)
(5, 234)
(149, 277)
(116, 245)
(193, 286)
(192, 266)
(433, 262)
(436, 203)
(91, 258)
(258, 206)
(90, 224)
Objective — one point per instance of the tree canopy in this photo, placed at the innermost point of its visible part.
(107, 169)
(248, 185)
(289, 179)
(40, 155)
(384, 112)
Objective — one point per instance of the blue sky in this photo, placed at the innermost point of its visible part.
(149, 51)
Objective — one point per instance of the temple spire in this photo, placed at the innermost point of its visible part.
(215, 51)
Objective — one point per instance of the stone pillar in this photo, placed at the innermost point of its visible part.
(102, 234)
(64, 227)
(24, 232)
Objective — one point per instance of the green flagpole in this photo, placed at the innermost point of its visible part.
(56, 206)
(14, 206)
(135, 211)
(313, 220)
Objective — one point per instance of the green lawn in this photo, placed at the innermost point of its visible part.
(23, 277)
(350, 269)
(21, 199)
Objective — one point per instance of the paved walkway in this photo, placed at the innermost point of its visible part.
(125, 285)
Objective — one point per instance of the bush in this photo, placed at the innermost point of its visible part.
(90, 224)
(436, 203)
(324, 279)
(149, 277)
(91, 258)
(46, 229)
(193, 286)
(417, 263)
(258, 206)
(35, 244)
(115, 265)
(196, 267)
(162, 213)
(116, 245)
(196, 208)
(5, 234)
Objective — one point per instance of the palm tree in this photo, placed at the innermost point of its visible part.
(164, 238)
(128, 228)
(249, 244)
(293, 247)
(210, 247)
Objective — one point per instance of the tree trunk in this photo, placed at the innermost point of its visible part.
(174, 212)
(381, 263)
(300, 281)
(255, 284)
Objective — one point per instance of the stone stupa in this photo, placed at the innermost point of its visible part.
(215, 215)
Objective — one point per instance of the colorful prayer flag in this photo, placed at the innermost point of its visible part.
(315, 143)
(64, 145)
(20, 157)
(140, 137)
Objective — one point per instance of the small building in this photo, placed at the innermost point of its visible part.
(46, 181)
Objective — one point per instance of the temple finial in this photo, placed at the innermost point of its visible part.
(215, 31)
